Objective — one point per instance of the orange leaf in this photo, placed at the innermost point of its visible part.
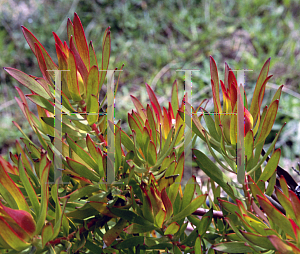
(81, 42)
(154, 102)
(10, 192)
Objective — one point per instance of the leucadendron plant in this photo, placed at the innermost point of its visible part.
(143, 208)
(221, 130)
(267, 225)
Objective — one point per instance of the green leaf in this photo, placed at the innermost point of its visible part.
(249, 144)
(205, 222)
(28, 187)
(188, 210)
(257, 153)
(93, 247)
(167, 203)
(92, 93)
(213, 172)
(198, 249)
(42, 102)
(295, 203)
(93, 58)
(173, 189)
(47, 233)
(58, 210)
(174, 98)
(44, 196)
(65, 128)
(152, 124)
(126, 141)
(172, 229)
(106, 47)
(92, 148)
(134, 126)
(82, 170)
(268, 121)
(72, 78)
(152, 155)
(176, 249)
(211, 126)
(271, 166)
(28, 81)
(189, 191)
(81, 153)
(160, 218)
(70, 29)
(233, 247)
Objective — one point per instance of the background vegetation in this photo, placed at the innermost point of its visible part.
(154, 40)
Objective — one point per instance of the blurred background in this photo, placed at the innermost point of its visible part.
(154, 39)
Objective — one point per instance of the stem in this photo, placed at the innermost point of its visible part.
(202, 211)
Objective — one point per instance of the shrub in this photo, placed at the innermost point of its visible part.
(83, 190)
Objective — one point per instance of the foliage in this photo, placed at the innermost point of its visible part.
(144, 209)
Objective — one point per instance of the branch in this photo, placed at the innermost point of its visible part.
(202, 211)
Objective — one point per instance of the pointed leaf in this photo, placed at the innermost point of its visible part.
(82, 170)
(47, 233)
(138, 107)
(42, 63)
(72, 78)
(10, 192)
(189, 209)
(261, 78)
(81, 153)
(154, 102)
(172, 229)
(28, 187)
(81, 42)
(10, 237)
(31, 40)
(106, 47)
(93, 58)
(233, 247)
(276, 216)
(44, 195)
(213, 172)
(271, 165)
(268, 121)
(282, 247)
(28, 81)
